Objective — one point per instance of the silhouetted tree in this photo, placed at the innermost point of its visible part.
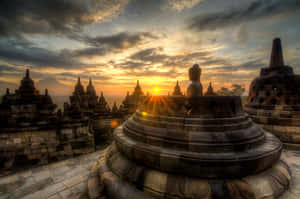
(236, 90)
(224, 91)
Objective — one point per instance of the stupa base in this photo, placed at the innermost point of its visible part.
(285, 128)
(289, 135)
(116, 177)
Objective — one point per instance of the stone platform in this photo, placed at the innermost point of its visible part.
(68, 179)
(62, 180)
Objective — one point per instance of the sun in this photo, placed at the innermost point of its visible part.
(156, 90)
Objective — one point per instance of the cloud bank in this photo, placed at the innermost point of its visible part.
(256, 10)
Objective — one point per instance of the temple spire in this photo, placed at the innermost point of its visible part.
(114, 108)
(210, 90)
(78, 81)
(210, 87)
(90, 81)
(27, 73)
(177, 90)
(276, 54)
(46, 92)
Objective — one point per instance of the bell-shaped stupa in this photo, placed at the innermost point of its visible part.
(177, 90)
(192, 147)
(210, 91)
(274, 99)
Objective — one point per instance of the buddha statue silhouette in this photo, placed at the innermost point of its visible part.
(195, 88)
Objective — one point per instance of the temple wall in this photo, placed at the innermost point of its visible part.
(29, 147)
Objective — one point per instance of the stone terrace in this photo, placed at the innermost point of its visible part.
(62, 180)
(68, 179)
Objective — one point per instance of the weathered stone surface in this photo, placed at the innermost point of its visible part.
(22, 184)
(163, 185)
(63, 180)
(32, 133)
(24, 149)
(274, 99)
(173, 144)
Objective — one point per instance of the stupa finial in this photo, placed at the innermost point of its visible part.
(276, 54)
(27, 73)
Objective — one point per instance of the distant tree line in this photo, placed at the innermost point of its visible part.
(235, 90)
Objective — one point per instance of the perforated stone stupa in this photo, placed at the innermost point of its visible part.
(190, 147)
(274, 99)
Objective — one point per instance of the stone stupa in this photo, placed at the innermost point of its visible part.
(195, 147)
(274, 99)
(210, 91)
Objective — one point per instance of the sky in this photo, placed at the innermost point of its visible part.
(116, 42)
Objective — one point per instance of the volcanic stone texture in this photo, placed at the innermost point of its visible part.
(68, 179)
(274, 99)
(205, 147)
(28, 148)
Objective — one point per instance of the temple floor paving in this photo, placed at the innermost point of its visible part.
(68, 179)
(62, 180)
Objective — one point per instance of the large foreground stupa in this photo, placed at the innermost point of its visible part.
(274, 99)
(193, 147)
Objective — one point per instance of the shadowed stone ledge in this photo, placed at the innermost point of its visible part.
(123, 178)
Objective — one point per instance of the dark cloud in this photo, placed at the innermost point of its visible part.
(122, 40)
(102, 45)
(153, 55)
(21, 51)
(16, 51)
(259, 9)
(156, 55)
(141, 64)
(19, 17)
